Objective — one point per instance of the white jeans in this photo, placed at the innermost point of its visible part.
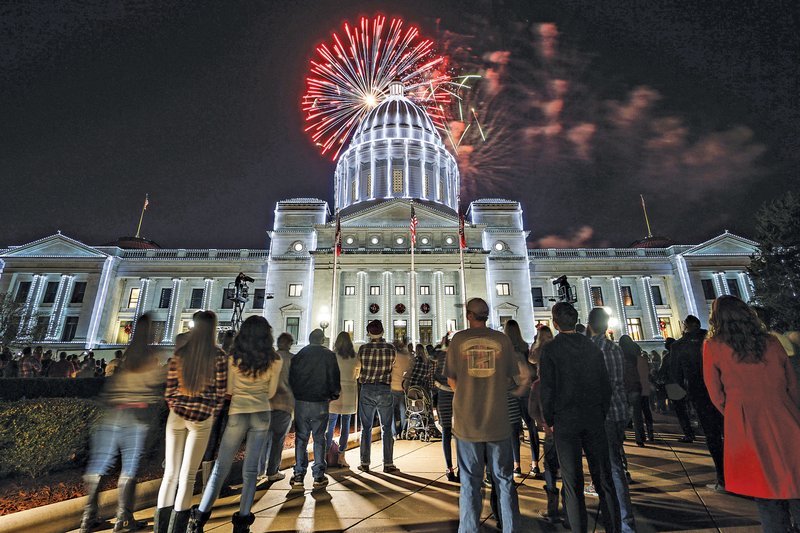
(186, 444)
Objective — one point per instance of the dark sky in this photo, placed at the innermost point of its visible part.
(694, 104)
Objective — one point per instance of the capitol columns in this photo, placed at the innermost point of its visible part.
(59, 308)
(438, 304)
(361, 293)
(144, 286)
(649, 309)
(720, 284)
(28, 318)
(207, 290)
(387, 304)
(623, 315)
(745, 286)
(174, 315)
(586, 287)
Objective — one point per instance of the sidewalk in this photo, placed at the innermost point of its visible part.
(669, 494)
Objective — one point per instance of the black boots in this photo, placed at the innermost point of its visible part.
(649, 431)
(90, 520)
(241, 524)
(197, 520)
(127, 491)
(161, 519)
(178, 521)
(551, 514)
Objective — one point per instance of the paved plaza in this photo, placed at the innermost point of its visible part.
(669, 494)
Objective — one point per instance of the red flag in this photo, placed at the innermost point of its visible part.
(461, 237)
(338, 238)
(413, 226)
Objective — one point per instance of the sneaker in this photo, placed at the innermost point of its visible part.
(452, 476)
(517, 472)
(363, 467)
(535, 472)
(389, 468)
(296, 481)
(717, 487)
(342, 462)
(277, 476)
(320, 482)
(589, 490)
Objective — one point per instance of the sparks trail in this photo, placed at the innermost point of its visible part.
(352, 75)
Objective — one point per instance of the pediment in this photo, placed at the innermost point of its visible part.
(397, 213)
(725, 244)
(291, 309)
(57, 245)
(505, 306)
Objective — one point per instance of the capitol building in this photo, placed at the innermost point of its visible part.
(74, 296)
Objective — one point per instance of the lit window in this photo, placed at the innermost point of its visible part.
(295, 289)
(397, 180)
(399, 240)
(400, 290)
(657, 298)
(665, 326)
(374, 240)
(349, 327)
(425, 185)
(499, 246)
(424, 290)
(597, 297)
(293, 326)
(133, 297)
(503, 289)
(369, 185)
(451, 325)
(298, 246)
(353, 190)
(349, 240)
(627, 295)
(449, 240)
(425, 240)
(635, 328)
(349, 290)
(450, 290)
(375, 290)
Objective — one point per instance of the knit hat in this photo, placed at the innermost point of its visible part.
(375, 328)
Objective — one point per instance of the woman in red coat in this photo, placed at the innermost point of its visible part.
(751, 381)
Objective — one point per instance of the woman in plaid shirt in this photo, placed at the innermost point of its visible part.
(197, 378)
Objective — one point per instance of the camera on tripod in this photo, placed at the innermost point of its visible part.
(564, 292)
(239, 295)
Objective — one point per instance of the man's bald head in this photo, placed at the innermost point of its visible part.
(479, 309)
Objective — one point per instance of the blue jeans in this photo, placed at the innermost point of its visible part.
(376, 398)
(270, 461)
(776, 515)
(310, 418)
(122, 430)
(471, 464)
(615, 433)
(344, 434)
(254, 426)
(399, 411)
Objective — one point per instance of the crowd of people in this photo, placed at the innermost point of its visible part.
(34, 362)
(579, 388)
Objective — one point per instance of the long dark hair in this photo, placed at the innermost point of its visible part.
(139, 356)
(735, 324)
(515, 334)
(344, 346)
(196, 358)
(252, 350)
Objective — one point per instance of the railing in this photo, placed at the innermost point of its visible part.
(596, 253)
(196, 254)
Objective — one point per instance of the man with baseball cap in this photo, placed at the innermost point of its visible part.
(376, 359)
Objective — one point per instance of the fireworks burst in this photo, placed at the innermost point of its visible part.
(352, 76)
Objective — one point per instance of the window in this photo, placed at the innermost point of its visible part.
(166, 296)
(397, 180)
(375, 290)
(70, 327)
(503, 320)
(353, 190)
(543, 324)
(22, 292)
(424, 290)
(258, 298)
(50, 292)
(369, 185)
(635, 328)
(449, 290)
(708, 289)
(597, 297)
(133, 297)
(349, 327)
(656, 292)
(452, 325)
(503, 289)
(78, 291)
(349, 290)
(400, 290)
(627, 295)
(293, 326)
(441, 188)
(665, 326)
(295, 289)
(227, 294)
(426, 185)
(196, 301)
(733, 287)
(538, 297)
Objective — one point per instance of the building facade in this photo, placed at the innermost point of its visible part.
(69, 295)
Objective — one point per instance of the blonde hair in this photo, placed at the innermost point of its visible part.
(197, 358)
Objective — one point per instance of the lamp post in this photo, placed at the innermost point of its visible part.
(324, 325)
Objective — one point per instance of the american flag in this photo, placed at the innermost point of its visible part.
(462, 239)
(338, 236)
(413, 226)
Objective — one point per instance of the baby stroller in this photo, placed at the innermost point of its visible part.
(418, 414)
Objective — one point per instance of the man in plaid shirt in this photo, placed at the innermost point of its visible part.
(376, 359)
(29, 365)
(617, 417)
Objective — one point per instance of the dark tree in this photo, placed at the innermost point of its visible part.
(776, 267)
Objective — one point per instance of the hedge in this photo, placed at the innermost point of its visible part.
(47, 434)
(12, 389)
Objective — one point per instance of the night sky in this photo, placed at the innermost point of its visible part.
(693, 104)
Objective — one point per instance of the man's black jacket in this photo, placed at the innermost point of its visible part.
(314, 375)
(687, 363)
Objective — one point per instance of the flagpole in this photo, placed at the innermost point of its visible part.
(141, 216)
(462, 238)
(336, 237)
(413, 285)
